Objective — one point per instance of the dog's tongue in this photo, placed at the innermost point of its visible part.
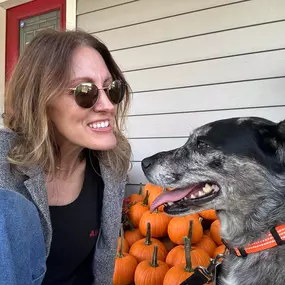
(170, 196)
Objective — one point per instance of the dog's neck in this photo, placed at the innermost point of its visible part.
(239, 231)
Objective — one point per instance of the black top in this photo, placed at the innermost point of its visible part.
(75, 231)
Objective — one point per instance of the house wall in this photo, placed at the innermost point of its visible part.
(191, 62)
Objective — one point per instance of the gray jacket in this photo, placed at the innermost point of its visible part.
(32, 186)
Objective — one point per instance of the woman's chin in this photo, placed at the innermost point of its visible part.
(103, 144)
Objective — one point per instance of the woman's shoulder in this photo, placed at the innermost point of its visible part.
(6, 137)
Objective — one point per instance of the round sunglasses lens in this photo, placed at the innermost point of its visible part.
(86, 95)
(116, 91)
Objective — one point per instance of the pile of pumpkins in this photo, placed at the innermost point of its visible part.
(160, 250)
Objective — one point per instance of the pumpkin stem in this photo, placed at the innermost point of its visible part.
(145, 201)
(147, 238)
(141, 188)
(187, 247)
(190, 230)
(120, 253)
(154, 257)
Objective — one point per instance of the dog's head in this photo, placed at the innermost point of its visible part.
(229, 165)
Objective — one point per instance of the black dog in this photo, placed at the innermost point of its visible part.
(236, 166)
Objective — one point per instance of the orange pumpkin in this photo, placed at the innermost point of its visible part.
(178, 273)
(209, 215)
(159, 222)
(143, 248)
(125, 245)
(154, 192)
(219, 250)
(137, 210)
(151, 273)
(178, 228)
(132, 235)
(136, 197)
(207, 244)
(177, 256)
(125, 265)
(215, 232)
(198, 256)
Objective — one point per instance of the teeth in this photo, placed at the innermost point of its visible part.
(170, 203)
(103, 124)
(201, 193)
(192, 196)
(207, 189)
(215, 187)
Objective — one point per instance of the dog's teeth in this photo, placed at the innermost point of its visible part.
(207, 188)
(215, 187)
(185, 198)
(201, 193)
(170, 203)
(192, 196)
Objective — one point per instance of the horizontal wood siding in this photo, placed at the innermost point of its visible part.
(191, 62)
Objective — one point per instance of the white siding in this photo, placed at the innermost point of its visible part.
(191, 62)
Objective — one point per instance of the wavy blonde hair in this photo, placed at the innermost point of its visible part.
(42, 73)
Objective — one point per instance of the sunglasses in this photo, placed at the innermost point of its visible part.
(86, 94)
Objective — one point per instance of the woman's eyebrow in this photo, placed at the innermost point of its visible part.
(81, 79)
(89, 80)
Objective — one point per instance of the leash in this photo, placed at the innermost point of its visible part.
(204, 275)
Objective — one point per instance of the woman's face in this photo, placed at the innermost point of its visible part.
(90, 128)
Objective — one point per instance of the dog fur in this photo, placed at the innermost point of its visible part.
(246, 158)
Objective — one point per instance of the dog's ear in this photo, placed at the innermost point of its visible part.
(281, 131)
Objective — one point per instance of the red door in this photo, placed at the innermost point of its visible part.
(16, 18)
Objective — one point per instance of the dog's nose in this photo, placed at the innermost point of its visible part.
(146, 162)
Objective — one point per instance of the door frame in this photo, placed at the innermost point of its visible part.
(13, 17)
(70, 18)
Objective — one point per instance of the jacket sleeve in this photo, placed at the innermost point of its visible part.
(22, 247)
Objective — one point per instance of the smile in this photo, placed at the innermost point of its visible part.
(99, 124)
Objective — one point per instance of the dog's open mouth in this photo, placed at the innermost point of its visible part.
(180, 200)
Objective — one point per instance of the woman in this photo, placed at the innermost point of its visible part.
(64, 151)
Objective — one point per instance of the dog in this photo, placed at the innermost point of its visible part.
(237, 167)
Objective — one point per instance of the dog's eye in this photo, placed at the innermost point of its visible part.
(202, 144)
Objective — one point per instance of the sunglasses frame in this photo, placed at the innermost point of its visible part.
(92, 85)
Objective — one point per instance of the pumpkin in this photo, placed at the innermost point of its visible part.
(209, 215)
(133, 234)
(154, 192)
(219, 250)
(178, 228)
(137, 210)
(151, 273)
(136, 197)
(125, 244)
(177, 256)
(143, 248)
(215, 232)
(198, 256)
(159, 222)
(207, 244)
(178, 273)
(125, 265)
